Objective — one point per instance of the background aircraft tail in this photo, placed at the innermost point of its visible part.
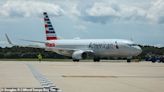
(50, 31)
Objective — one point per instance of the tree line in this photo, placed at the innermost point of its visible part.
(27, 52)
(17, 52)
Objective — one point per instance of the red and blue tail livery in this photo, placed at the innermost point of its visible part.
(50, 32)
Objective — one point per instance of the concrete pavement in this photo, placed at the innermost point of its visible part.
(87, 76)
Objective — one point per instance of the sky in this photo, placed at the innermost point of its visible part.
(139, 20)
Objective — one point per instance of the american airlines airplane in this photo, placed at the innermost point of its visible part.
(83, 48)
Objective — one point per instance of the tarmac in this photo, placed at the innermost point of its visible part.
(85, 76)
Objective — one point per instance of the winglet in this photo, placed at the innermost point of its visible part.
(8, 40)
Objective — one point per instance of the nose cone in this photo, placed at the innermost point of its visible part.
(138, 50)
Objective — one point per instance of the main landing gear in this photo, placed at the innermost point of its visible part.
(128, 60)
(76, 60)
(96, 59)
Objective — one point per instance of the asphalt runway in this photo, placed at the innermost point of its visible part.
(84, 76)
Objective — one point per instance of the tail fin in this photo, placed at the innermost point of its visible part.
(50, 31)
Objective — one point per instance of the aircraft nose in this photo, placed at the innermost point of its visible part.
(138, 50)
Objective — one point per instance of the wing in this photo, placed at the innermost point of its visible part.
(32, 46)
(62, 51)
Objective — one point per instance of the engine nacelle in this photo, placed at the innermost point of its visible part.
(79, 55)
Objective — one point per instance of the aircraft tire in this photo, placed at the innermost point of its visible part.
(75, 60)
(153, 61)
(128, 60)
(96, 59)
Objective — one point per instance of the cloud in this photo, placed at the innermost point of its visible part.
(103, 12)
(28, 8)
(97, 11)
(109, 11)
(155, 13)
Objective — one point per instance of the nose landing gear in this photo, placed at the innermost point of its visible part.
(128, 60)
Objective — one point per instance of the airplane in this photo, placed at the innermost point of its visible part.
(84, 48)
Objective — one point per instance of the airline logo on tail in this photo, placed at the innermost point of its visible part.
(49, 30)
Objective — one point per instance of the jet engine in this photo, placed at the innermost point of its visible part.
(77, 55)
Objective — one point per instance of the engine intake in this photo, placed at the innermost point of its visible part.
(79, 55)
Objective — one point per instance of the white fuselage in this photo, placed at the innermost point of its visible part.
(100, 47)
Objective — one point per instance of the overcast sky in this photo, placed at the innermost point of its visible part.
(140, 20)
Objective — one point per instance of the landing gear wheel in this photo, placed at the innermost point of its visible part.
(96, 59)
(75, 60)
(128, 60)
(153, 61)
